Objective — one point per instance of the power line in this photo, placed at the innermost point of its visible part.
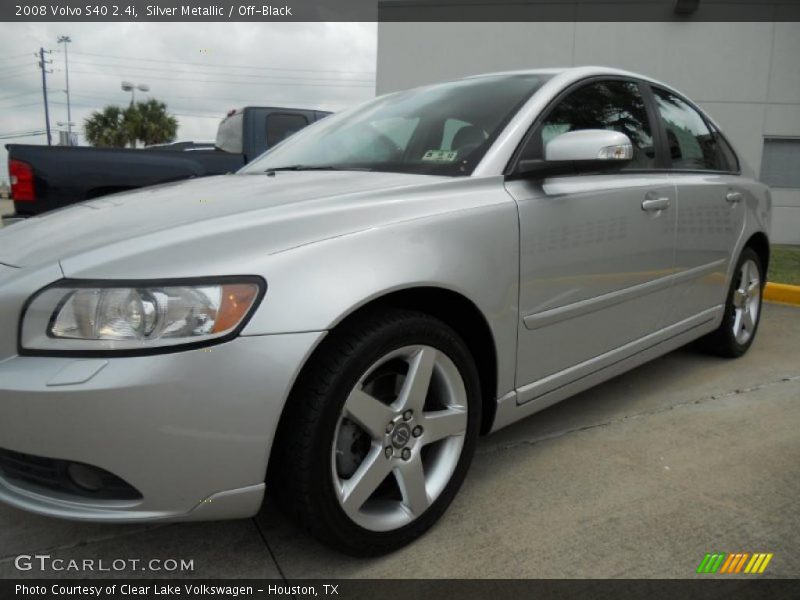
(101, 100)
(23, 132)
(10, 136)
(218, 116)
(271, 83)
(237, 100)
(19, 66)
(4, 77)
(37, 103)
(227, 102)
(18, 95)
(225, 66)
(6, 58)
(99, 95)
(222, 73)
(180, 114)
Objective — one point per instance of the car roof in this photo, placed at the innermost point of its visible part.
(573, 73)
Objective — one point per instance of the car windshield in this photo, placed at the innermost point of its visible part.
(437, 130)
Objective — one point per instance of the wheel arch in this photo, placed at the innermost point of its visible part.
(760, 244)
(454, 309)
(463, 315)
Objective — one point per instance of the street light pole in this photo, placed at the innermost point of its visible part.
(65, 39)
(127, 86)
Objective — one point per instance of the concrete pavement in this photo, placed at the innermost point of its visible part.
(639, 477)
(6, 208)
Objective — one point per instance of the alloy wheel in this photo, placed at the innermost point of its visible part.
(399, 437)
(746, 302)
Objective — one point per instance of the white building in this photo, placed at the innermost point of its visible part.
(745, 75)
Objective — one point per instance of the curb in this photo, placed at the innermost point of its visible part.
(782, 293)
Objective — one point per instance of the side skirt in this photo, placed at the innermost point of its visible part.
(533, 397)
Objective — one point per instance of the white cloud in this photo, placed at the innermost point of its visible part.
(201, 70)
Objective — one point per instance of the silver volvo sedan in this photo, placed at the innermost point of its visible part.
(338, 322)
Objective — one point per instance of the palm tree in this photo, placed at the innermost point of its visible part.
(115, 127)
(151, 123)
(107, 128)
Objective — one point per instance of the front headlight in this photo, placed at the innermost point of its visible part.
(75, 317)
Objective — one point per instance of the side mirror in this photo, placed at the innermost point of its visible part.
(585, 150)
(589, 145)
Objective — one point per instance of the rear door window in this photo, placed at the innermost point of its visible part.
(727, 157)
(692, 144)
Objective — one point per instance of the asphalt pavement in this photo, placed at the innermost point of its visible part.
(639, 477)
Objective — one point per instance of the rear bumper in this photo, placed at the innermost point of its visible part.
(191, 431)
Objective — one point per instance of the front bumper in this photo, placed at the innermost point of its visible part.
(191, 431)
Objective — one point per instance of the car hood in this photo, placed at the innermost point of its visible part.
(188, 211)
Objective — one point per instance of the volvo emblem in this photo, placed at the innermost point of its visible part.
(401, 435)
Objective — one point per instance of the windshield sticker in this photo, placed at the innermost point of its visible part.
(440, 155)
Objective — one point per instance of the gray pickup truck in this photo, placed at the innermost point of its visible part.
(47, 177)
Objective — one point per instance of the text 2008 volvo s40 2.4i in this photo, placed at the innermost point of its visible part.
(337, 323)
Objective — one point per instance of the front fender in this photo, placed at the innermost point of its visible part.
(473, 252)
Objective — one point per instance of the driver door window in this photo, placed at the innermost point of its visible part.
(613, 105)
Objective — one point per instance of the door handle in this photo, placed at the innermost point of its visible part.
(733, 197)
(655, 204)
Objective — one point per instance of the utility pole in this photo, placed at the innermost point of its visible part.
(43, 65)
(65, 39)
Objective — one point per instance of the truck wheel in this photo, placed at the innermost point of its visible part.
(742, 309)
(379, 432)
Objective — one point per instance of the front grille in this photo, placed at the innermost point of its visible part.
(52, 474)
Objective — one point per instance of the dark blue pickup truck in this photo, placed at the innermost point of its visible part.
(47, 177)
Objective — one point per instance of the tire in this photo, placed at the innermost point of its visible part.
(358, 434)
(742, 315)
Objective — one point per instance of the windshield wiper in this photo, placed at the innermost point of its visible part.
(300, 168)
(314, 168)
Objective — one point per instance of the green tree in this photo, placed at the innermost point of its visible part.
(150, 122)
(107, 128)
(115, 127)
